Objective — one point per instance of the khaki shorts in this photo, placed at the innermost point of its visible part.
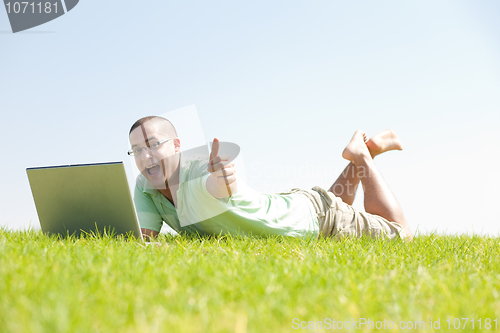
(340, 220)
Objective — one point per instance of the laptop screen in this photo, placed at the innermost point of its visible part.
(71, 199)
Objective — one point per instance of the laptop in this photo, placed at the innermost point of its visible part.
(84, 198)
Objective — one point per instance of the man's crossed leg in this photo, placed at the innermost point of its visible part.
(378, 198)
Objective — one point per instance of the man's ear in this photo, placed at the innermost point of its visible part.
(177, 145)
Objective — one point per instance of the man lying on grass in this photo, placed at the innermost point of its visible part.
(207, 193)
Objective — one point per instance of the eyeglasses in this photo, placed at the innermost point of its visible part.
(153, 145)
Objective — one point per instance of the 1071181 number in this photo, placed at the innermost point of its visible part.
(27, 7)
(461, 323)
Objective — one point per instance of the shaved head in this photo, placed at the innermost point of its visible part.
(157, 149)
(163, 124)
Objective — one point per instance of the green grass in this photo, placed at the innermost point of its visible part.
(231, 284)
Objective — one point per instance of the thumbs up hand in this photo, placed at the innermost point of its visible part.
(222, 180)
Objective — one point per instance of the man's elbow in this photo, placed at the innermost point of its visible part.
(148, 234)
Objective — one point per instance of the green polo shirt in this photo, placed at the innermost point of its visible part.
(246, 212)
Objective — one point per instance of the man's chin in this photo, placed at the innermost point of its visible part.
(157, 181)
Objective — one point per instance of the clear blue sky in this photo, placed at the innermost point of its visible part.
(288, 81)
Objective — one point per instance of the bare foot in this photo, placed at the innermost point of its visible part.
(356, 149)
(382, 142)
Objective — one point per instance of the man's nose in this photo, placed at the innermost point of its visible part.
(147, 153)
